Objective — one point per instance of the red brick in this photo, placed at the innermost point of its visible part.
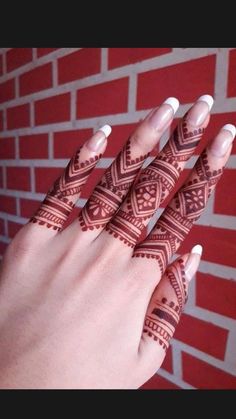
(168, 364)
(7, 90)
(118, 57)
(202, 335)
(103, 99)
(45, 177)
(44, 51)
(3, 247)
(231, 91)
(204, 376)
(53, 109)
(1, 177)
(67, 142)
(92, 182)
(7, 148)
(8, 204)
(216, 294)
(187, 81)
(2, 228)
(13, 228)
(79, 64)
(18, 178)
(34, 146)
(225, 195)
(28, 207)
(18, 116)
(1, 120)
(16, 57)
(218, 244)
(159, 383)
(1, 65)
(39, 78)
(119, 136)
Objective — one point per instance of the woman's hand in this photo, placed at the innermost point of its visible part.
(92, 306)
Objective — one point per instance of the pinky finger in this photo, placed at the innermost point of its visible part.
(165, 308)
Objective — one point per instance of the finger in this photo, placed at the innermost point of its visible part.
(116, 181)
(189, 202)
(159, 178)
(61, 198)
(165, 307)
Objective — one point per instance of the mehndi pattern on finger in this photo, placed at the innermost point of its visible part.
(110, 191)
(178, 218)
(153, 185)
(160, 325)
(61, 198)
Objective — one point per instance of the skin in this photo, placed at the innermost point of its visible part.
(73, 303)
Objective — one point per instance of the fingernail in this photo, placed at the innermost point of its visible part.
(98, 139)
(160, 117)
(223, 140)
(193, 262)
(200, 110)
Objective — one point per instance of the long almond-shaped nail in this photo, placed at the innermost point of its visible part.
(96, 142)
(223, 140)
(200, 110)
(161, 117)
(193, 262)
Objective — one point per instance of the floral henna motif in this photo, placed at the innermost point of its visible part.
(111, 190)
(160, 325)
(153, 185)
(178, 218)
(61, 198)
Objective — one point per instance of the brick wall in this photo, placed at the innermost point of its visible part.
(52, 99)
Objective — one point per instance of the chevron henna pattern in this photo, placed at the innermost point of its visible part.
(62, 197)
(109, 193)
(178, 218)
(160, 325)
(153, 185)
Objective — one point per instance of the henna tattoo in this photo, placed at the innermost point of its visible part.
(178, 218)
(176, 276)
(162, 322)
(61, 198)
(111, 190)
(160, 325)
(153, 185)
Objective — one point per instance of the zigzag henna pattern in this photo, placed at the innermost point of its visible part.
(61, 198)
(178, 218)
(153, 185)
(160, 325)
(109, 193)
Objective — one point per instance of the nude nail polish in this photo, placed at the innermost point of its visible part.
(160, 117)
(200, 110)
(223, 140)
(96, 142)
(193, 262)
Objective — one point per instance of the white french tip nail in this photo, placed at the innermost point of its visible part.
(106, 129)
(173, 102)
(208, 99)
(231, 128)
(197, 249)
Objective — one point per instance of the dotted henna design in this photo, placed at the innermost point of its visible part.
(61, 198)
(111, 190)
(153, 185)
(178, 218)
(160, 325)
